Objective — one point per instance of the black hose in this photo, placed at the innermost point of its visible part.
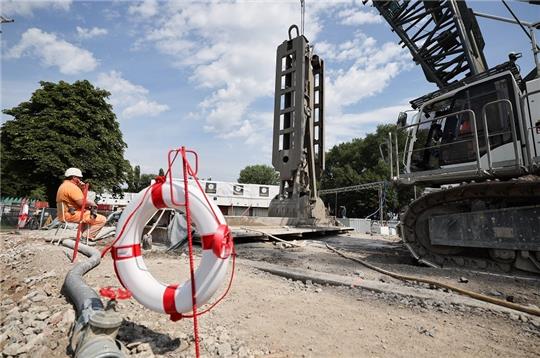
(81, 295)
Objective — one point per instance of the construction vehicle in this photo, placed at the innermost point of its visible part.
(476, 139)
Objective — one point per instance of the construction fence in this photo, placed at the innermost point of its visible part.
(367, 226)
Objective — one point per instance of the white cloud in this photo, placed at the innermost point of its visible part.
(230, 51)
(145, 9)
(85, 33)
(340, 128)
(368, 69)
(144, 107)
(53, 51)
(356, 17)
(11, 8)
(130, 100)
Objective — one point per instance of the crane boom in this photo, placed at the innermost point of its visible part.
(442, 36)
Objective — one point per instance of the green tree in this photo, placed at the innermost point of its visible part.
(62, 125)
(258, 174)
(137, 181)
(357, 162)
(145, 180)
(134, 179)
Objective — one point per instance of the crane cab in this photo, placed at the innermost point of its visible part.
(487, 127)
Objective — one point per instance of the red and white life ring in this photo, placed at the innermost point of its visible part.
(23, 215)
(216, 243)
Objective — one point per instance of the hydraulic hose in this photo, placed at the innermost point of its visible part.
(82, 295)
(530, 310)
(94, 332)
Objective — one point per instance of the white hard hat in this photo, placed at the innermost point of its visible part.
(73, 172)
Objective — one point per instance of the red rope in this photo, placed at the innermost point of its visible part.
(191, 264)
(106, 249)
(169, 171)
(224, 293)
(206, 197)
(187, 170)
(79, 228)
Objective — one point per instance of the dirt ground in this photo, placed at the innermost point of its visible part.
(267, 315)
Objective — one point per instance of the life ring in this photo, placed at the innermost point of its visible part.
(216, 243)
(23, 215)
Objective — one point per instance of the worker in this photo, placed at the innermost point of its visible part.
(69, 202)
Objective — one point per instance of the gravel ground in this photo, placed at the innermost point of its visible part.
(265, 315)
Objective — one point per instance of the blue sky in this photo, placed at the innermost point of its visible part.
(202, 74)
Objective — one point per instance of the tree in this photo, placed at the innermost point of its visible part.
(134, 179)
(137, 181)
(258, 174)
(357, 162)
(146, 179)
(62, 125)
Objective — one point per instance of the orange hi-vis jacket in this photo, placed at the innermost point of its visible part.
(68, 193)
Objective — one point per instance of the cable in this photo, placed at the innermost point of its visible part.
(302, 15)
(530, 310)
(516, 18)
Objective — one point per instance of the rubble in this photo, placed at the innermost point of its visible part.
(263, 315)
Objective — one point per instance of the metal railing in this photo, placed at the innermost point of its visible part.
(531, 128)
(471, 115)
(517, 158)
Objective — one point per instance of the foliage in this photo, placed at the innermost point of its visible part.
(134, 179)
(39, 193)
(137, 181)
(357, 162)
(258, 174)
(146, 179)
(62, 125)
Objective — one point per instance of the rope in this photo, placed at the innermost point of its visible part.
(302, 15)
(191, 264)
(475, 295)
(224, 293)
(107, 248)
(187, 170)
(79, 228)
(194, 176)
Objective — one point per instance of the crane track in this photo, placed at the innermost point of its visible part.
(512, 191)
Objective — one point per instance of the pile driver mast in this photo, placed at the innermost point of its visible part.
(298, 136)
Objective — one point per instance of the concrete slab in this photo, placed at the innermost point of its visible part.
(256, 227)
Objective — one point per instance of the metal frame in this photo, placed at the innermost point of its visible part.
(534, 152)
(517, 157)
(374, 185)
(532, 36)
(438, 35)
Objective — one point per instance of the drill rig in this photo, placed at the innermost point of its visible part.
(476, 139)
(298, 136)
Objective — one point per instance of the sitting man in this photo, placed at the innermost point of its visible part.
(69, 202)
